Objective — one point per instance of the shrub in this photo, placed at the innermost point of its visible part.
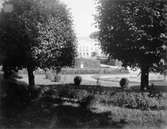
(80, 94)
(65, 92)
(49, 75)
(86, 101)
(134, 101)
(15, 92)
(57, 78)
(73, 93)
(124, 82)
(52, 76)
(88, 63)
(92, 71)
(77, 80)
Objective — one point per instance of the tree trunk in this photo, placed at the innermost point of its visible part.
(165, 75)
(144, 77)
(31, 78)
(7, 71)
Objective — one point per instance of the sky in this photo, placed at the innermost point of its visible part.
(0, 4)
(82, 13)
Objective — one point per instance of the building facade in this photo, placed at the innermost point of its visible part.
(88, 48)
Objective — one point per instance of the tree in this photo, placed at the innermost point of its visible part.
(36, 33)
(94, 35)
(163, 68)
(133, 32)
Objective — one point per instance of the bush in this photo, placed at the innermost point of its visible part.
(92, 71)
(57, 78)
(88, 63)
(86, 101)
(65, 92)
(124, 82)
(16, 93)
(49, 75)
(77, 80)
(72, 93)
(134, 101)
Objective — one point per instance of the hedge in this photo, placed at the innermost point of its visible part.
(134, 100)
(83, 71)
(93, 71)
(87, 63)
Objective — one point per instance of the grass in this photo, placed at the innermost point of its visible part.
(125, 116)
(106, 109)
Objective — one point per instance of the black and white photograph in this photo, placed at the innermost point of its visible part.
(83, 64)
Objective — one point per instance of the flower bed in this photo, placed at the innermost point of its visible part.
(134, 100)
(116, 97)
(122, 107)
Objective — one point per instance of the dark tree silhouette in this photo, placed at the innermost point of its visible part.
(134, 32)
(36, 33)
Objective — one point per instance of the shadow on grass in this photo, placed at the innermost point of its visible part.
(15, 114)
(37, 116)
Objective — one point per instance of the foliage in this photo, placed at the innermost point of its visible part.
(79, 71)
(134, 101)
(57, 38)
(14, 93)
(124, 82)
(115, 97)
(93, 71)
(73, 93)
(51, 74)
(87, 63)
(97, 115)
(36, 33)
(131, 107)
(133, 32)
(77, 80)
(132, 28)
(140, 119)
(86, 102)
(94, 35)
(57, 78)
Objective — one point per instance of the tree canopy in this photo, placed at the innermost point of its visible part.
(133, 32)
(36, 33)
(94, 35)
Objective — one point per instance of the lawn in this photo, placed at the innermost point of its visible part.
(67, 106)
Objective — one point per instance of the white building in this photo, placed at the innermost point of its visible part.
(88, 48)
